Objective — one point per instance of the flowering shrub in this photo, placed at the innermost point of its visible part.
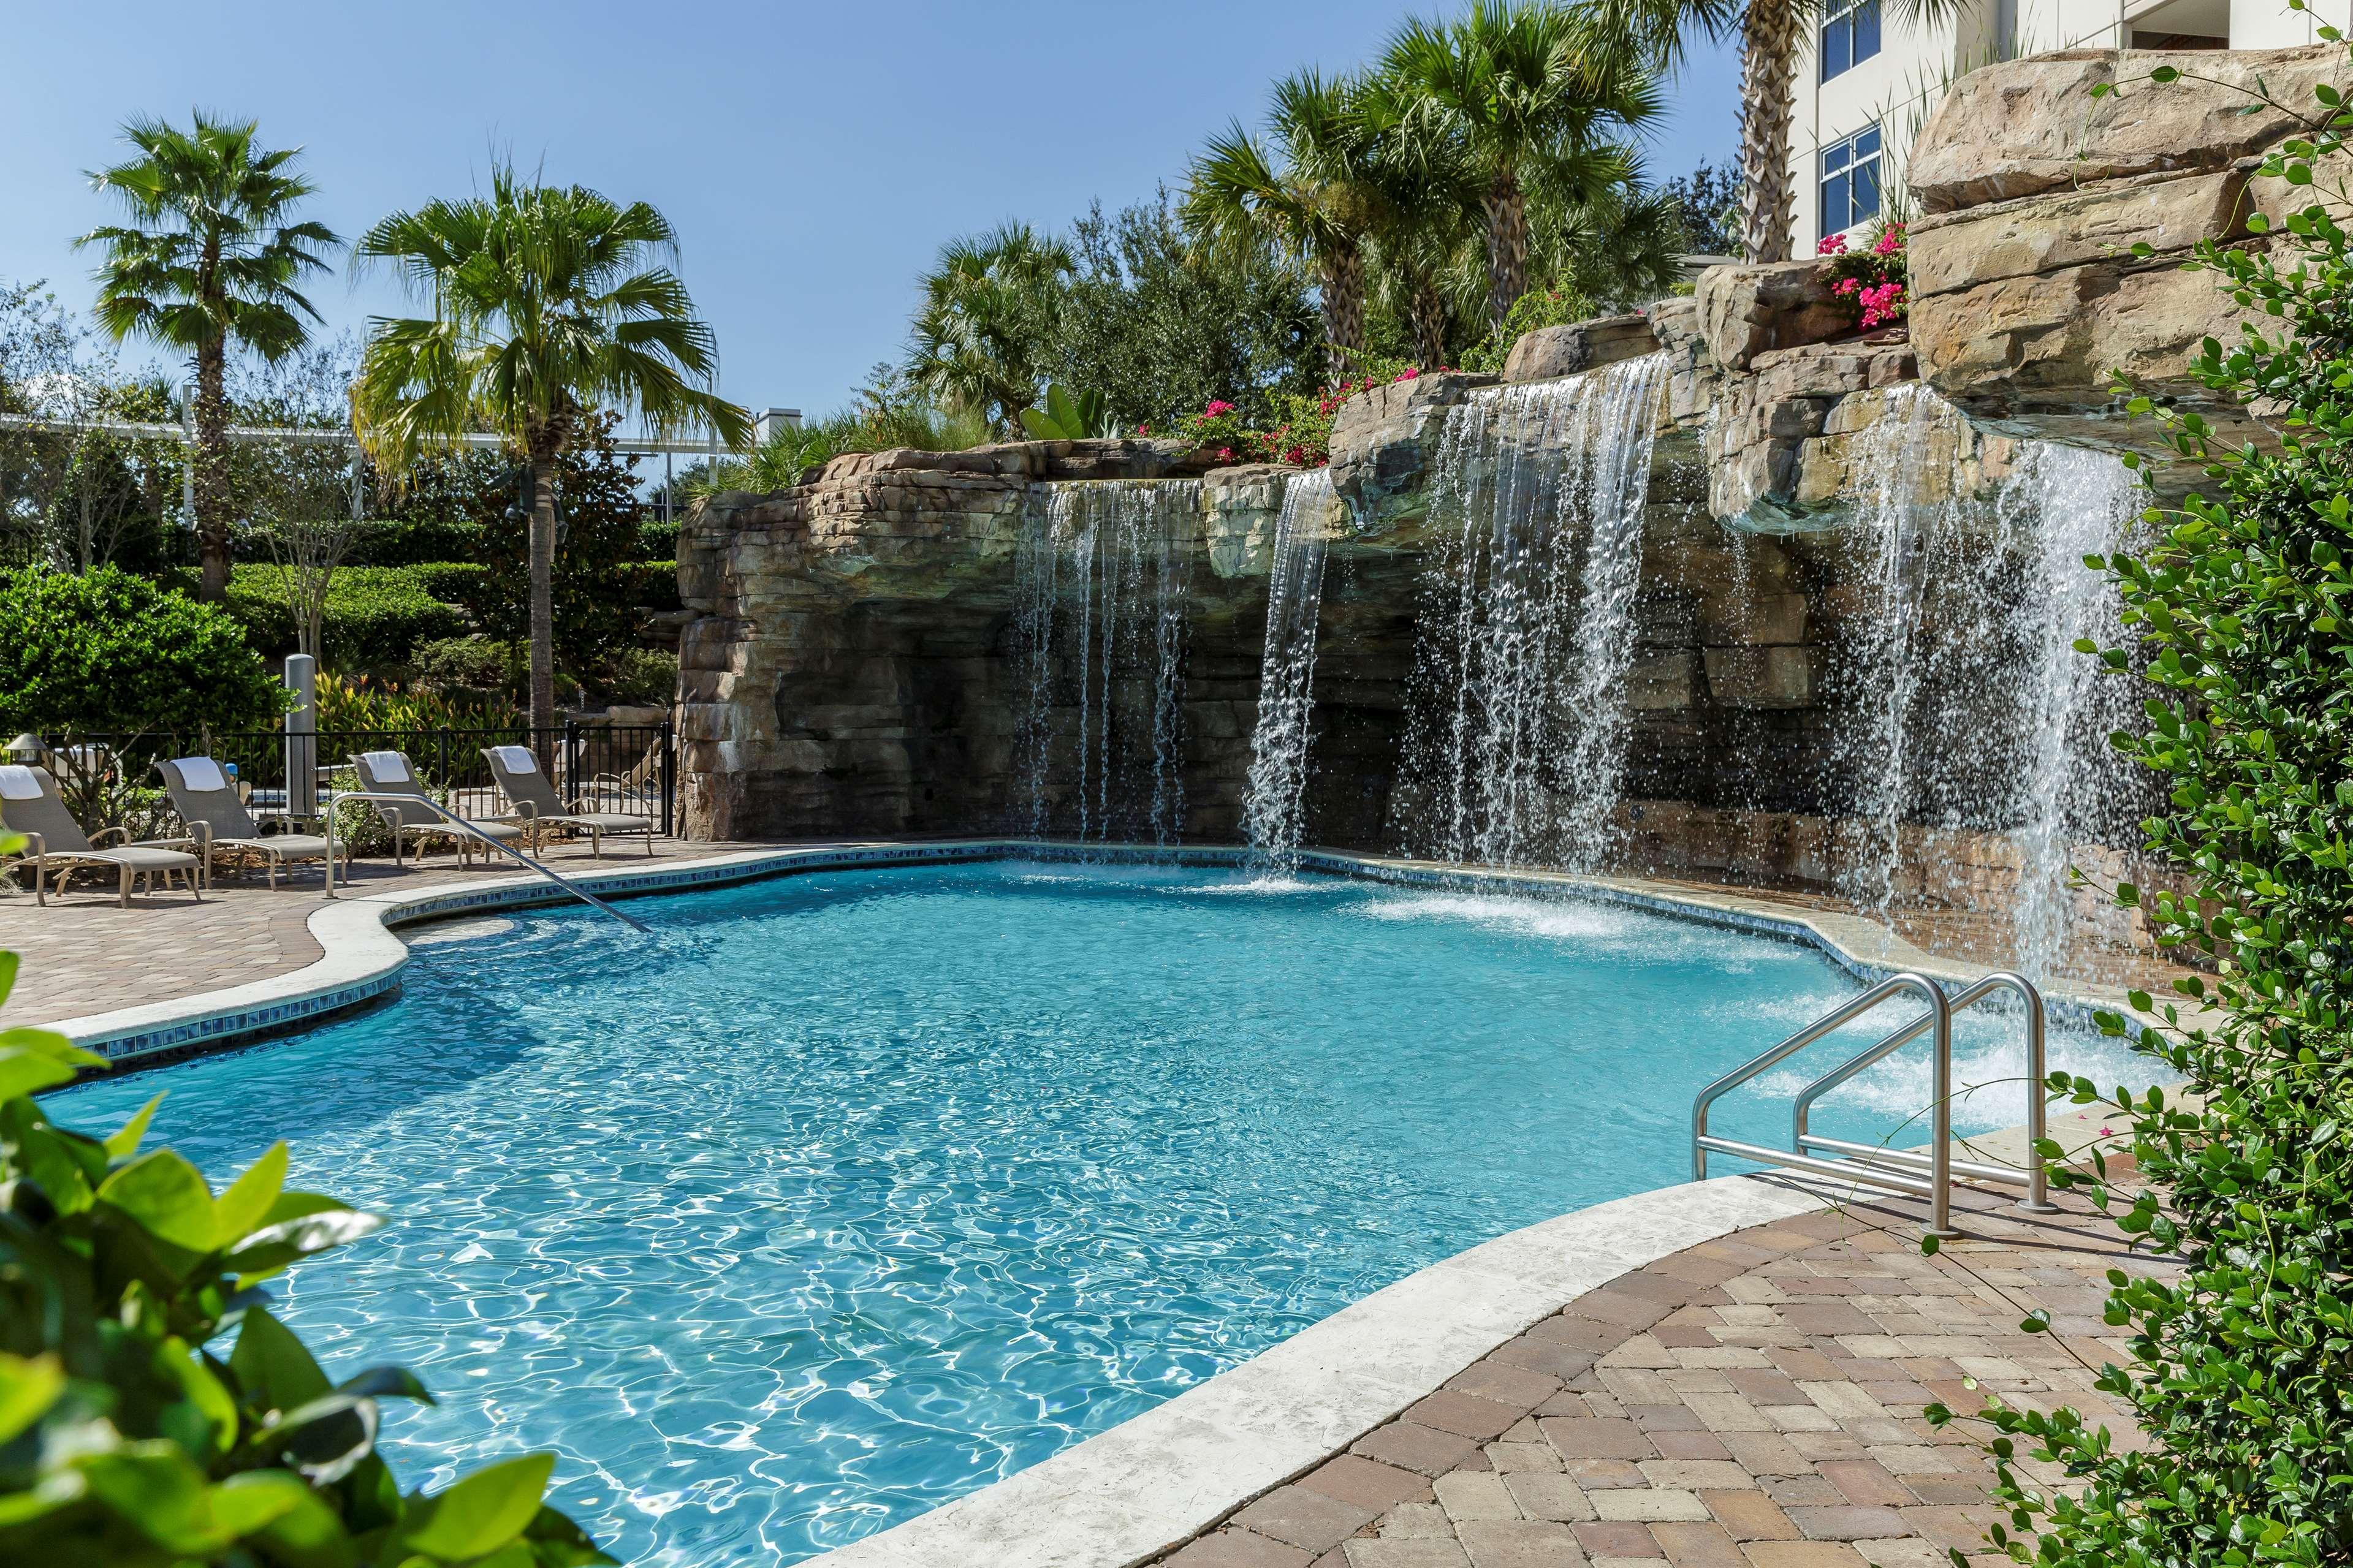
(1870, 281)
(1300, 435)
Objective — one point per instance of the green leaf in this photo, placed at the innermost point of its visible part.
(272, 1367)
(309, 1534)
(273, 1246)
(479, 1514)
(28, 1386)
(166, 1196)
(23, 1072)
(124, 1143)
(239, 1210)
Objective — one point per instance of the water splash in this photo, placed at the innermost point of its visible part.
(1518, 717)
(1101, 578)
(1911, 490)
(2074, 785)
(1973, 732)
(1273, 809)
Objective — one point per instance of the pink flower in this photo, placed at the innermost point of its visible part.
(1226, 453)
(1846, 286)
(1216, 407)
(1889, 243)
(1144, 428)
(1407, 375)
(1831, 245)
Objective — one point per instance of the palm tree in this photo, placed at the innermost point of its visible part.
(549, 302)
(1528, 92)
(986, 320)
(1771, 34)
(207, 262)
(1319, 209)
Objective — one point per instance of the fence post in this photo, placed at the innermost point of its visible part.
(303, 736)
(669, 787)
(568, 763)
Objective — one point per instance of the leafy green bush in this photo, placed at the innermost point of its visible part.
(452, 582)
(127, 1438)
(109, 652)
(643, 677)
(2241, 1372)
(392, 542)
(377, 616)
(1537, 309)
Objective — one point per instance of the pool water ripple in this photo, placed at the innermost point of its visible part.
(850, 1193)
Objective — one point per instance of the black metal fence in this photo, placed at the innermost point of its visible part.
(113, 778)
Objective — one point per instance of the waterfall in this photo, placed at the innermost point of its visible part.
(1966, 710)
(1911, 488)
(2074, 788)
(1517, 715)
(1273, 814)
(1102, 571)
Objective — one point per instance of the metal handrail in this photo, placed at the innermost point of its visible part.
(1939, 1016)
(2035, 1178)
(328, 801)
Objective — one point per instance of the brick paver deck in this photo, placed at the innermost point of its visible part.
(85, 954)
(1751, 1403)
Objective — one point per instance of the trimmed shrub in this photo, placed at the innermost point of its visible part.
(108, 652)
(644, 678)
(2239, 1373)
(154, 1410)
(377, 616)
(391, 541)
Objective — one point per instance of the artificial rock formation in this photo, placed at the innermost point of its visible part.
(2030, 307)
(862, 656)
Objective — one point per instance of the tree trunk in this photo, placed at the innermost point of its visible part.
(1507, 207)
(542, 598)
(1429, 311)
(210, 458)
(1343, 286)
(1768, 63)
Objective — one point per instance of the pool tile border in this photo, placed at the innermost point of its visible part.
(362, 957)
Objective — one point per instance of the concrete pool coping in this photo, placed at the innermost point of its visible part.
(360, 956)
(1157, 1481)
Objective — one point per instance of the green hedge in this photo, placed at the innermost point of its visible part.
(110, 652)
(377, 616)
(392, 542)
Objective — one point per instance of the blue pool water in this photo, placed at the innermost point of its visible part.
(853, 1192)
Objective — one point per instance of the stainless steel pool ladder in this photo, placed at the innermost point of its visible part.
(1920, 1173)
(452, 819)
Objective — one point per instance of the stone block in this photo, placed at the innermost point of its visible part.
(2028, 126)
(1550, 352)
(1746, 310)
(1763, 677)
(2169, 212)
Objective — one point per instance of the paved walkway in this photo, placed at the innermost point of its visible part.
(1751, 1403)
(85, 954)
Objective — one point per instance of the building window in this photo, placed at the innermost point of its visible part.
(1850, 181)
(1850, 34)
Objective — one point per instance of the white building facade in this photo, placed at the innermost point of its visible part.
(1870, 78)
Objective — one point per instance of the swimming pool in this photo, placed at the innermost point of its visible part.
(855, 1191)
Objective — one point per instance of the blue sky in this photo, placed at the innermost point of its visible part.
(812, 158)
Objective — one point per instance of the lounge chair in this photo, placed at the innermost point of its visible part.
(208, 803)
(539, 809)
(390, 773)
(30, 804)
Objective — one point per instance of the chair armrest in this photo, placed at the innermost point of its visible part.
(36, 847)
(101, 836)
(203, 840)
(158, 843)
(524, 811)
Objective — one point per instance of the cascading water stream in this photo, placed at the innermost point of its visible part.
(1516, 732)
(1968, 711)
(1274, 808)
(1102, 574)
(2075, 787)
